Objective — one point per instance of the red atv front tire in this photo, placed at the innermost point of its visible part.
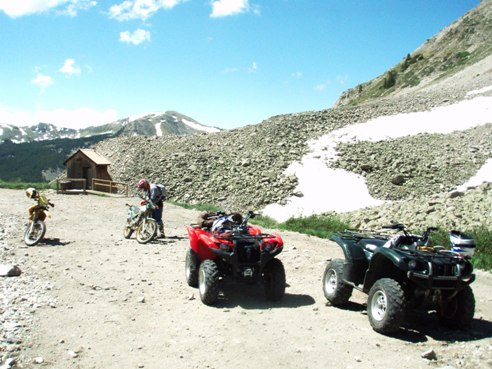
(274, 280)
(208, 282)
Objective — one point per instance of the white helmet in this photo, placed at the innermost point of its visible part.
(31, 192)
(462, 243)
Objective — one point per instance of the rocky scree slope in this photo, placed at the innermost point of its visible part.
(244, 168)
(237, 169)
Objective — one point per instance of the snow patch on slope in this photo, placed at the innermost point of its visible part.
(326, 189)
(200, 127)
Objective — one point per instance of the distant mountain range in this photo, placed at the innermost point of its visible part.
(36, 153)
(151, 124)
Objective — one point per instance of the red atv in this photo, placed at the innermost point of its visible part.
(243, 252)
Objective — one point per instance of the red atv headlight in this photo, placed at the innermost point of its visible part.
(225, 247)
(269, 246)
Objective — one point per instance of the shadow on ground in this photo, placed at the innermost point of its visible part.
(51, 242)
(420, 325)
(252, 296)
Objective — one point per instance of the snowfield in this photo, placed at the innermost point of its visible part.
(326, 189)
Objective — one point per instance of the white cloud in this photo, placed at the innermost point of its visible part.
(231, 70)
(297, 74)
(19, 8)
(342, 79)
(77, 118)
(43, 81)
(13, 116)
(322, 86)
(76, 5)
(69, 68)
(253, 68)
(140, 9)
(136, 38)
(224, 8)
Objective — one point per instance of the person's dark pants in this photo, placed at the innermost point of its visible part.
(157, 215)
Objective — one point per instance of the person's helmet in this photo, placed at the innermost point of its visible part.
(143, 184)
(31, 192)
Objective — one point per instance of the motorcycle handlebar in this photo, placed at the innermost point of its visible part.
(397, 226)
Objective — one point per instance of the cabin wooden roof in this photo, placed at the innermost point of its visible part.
(92, 156)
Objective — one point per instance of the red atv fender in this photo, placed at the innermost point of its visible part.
(254, 230)
(201, 243)
(275, 237)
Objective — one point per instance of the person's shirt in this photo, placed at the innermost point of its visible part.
(154, 193)
(42, 200)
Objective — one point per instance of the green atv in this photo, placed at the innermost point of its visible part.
(402, 271)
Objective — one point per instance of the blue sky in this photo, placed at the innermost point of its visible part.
(224, 63)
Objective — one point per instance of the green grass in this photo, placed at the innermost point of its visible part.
(483, 253)
(24, 185)
(314, 225)
(200, 207)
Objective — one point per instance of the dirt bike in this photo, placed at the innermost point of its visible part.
(36, 228)
(139, 220)
(403, 271)
(246, 254)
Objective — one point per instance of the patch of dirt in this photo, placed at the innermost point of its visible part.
(120, 304)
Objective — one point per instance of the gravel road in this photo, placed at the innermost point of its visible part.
(88, 298)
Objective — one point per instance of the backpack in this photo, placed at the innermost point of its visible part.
(163, 191)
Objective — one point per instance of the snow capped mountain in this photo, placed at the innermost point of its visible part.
(148, 124)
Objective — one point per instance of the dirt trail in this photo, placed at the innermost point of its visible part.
(120, 304)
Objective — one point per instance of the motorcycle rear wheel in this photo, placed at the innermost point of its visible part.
(127, 230)
(34, 232)
(146, 231)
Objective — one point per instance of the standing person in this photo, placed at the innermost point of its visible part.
(155, 193)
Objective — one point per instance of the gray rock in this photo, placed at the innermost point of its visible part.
(429, 355)
(9, 270)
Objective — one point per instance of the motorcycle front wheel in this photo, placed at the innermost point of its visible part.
(146, 231)
(34, 232)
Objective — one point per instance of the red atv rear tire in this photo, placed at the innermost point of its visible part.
(191, 268)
